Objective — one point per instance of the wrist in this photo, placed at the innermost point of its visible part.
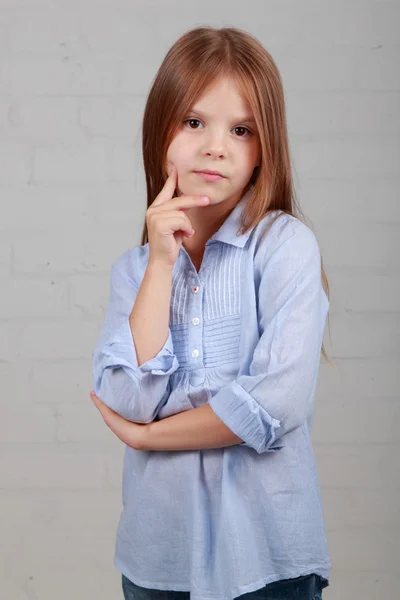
(159, 267)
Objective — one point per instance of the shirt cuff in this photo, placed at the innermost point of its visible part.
(246, 418)
(120, 352)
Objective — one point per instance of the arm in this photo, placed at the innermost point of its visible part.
(149, 317)
(276, 396)
(191, 430)
(134, 356)
(195, 429)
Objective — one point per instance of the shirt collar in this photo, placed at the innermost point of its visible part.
(228, 232)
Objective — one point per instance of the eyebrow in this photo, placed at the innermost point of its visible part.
(245, 119)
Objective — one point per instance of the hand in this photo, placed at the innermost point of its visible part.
(167, 223)
(132, 434)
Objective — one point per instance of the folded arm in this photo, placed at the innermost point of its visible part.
(134, 390)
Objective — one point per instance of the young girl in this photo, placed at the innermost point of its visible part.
(207, 362)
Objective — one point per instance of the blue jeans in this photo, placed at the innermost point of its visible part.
(307, 587)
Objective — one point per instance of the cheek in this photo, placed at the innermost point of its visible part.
(180, 151)
(175, 149)
(252, 157)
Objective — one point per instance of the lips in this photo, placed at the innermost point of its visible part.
(209, 172)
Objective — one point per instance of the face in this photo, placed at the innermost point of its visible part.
(218, 134)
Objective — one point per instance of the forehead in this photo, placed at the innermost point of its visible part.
(224, 93)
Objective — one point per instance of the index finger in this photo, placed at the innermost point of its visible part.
(168, 189)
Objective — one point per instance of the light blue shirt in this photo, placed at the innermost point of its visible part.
(245, 335)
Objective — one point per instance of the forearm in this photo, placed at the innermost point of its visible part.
(195, 429)
(149, 318)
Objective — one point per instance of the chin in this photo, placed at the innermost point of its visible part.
(189, 189)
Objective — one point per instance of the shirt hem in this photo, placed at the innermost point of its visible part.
(321, 570)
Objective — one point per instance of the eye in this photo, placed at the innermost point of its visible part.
(243, 129)
(193, 124)
(191, 121)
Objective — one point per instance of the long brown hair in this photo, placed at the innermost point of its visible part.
(192, 64)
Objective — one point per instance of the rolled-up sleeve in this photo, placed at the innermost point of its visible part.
(276, 396)
(135, 392)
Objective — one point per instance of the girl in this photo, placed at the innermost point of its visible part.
(207, 362)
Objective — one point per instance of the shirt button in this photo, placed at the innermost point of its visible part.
(195, 289)
(195, 353)
(196, 321)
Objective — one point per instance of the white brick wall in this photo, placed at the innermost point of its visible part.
(73, 81)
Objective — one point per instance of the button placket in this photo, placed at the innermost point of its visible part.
(195, 332)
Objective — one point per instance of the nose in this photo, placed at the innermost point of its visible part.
(215, 145)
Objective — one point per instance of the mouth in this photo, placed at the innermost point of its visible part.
(209, 175)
